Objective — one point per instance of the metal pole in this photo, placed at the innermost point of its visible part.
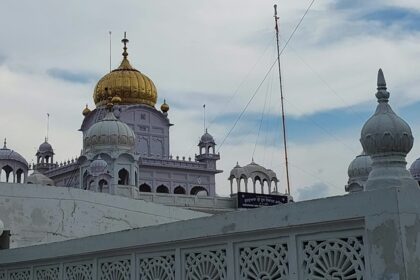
(204, 116)
(110, 34)
(282, 101)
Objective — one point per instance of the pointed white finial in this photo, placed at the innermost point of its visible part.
(387, 139)
(382, 94)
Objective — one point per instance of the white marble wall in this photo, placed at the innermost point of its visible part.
(39, 214)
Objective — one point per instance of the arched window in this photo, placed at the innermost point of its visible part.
(5, 174)
(257, 180)
(198, 190)
(19, 177)
(123, 177)
(210, 149)
(162, 189)
(265, 183)
(243, 183)
(179, 190)
(90, 185)
(145, 188)
(103, 185)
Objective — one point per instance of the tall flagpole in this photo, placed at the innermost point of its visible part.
(48, 126)
(282, 101)
(204, 117)
(110, 33)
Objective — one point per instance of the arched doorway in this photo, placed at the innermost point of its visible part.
(5, 174)
(179, 190)
(123, 177)
(103, 186)
(198, 190)
(162, 189)
(19, 176)
(145, 188)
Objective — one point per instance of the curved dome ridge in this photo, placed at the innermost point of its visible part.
(385, 132)
(108, 133)
(8, 154)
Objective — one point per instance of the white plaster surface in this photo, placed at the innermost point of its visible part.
(38, 214)
(387, 220)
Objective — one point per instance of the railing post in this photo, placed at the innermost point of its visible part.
(133, 266)
(178, 264)
(230, 259)
(293, 256)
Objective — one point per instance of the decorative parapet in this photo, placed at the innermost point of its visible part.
(62, 168)
(345, 237)
(173, 163)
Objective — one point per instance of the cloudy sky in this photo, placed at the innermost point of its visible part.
(217, 52)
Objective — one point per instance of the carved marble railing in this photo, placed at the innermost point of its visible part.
(63, 167)
(356, 236)
(211, 204)
(173, 163)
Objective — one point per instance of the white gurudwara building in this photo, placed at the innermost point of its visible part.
(126, 209)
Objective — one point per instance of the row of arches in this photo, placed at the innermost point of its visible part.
(258, 185)
(207, 150)
(9, 175)
(196, 190)
(101, 186)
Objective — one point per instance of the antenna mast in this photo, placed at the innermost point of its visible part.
(48, 126)
(282, 101)
(110, 51)
(204, 114)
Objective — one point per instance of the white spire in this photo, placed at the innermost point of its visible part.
(387, 139)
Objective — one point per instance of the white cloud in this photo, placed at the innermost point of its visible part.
(205, 49)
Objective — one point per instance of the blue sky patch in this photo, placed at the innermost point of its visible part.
(70, 76)
(409, 19)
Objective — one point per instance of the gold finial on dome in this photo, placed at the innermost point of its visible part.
(126, 82)
(109, 104)
(125, 41)
(164, 107)
(86, 111)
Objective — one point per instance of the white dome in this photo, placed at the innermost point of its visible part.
(98, 166)
(207, 138)
(385, 132)
(237, 171)
(415, 169)
(7, 155)
(253, 170)
(109, 134)
(39, 179)
(358, 172)
(360, 166)
(45, 147)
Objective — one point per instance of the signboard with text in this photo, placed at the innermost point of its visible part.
(255, 200)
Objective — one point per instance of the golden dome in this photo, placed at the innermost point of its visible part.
(126, 83)
(164, 107)
(86, 111)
